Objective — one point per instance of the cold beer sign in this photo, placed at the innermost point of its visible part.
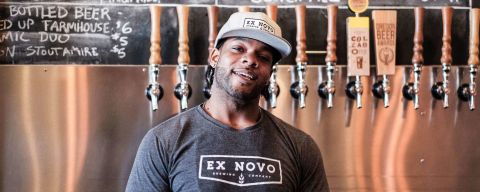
(385, 25)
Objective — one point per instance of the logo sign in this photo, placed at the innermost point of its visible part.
(258, 24)
(240, 170)
(385, 24)
(358, 46)
(358, 6)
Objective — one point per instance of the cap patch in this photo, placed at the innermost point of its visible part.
(258, 24)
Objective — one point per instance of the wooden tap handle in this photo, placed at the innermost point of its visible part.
(272, 11)
(213, 21)
(332, 34)
(155, 36)
(447, 13)
(474, 31)
(418, 36)
(183, 57)
(301, 36)
(244, 9)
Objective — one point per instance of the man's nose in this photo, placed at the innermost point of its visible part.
(250, 59)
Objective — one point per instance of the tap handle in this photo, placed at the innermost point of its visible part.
(154, 91)
(386, 91)
(155, 36)
(183, 57)
(273, 94)
(273, 101)
(331, 58)
(244, 9)
(417, 59)
(440, 90)
(332, 34)
(447, 13)
(272, 11)
(301, 36)
(418, 36)
(301, 100)
(359, 91)
(330, 100)
(184, 102)
(213, 22)
(416, 99)
(182, 72)
(301, 69)
(154, 104)
(471, 102)
(474, 31)
(183, 91)
(473, 60)
(354, 90)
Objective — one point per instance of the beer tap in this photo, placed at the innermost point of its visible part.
(326, 89)
(154, 91)
(385, 29)
(299, 89)
(213, 32)
(354, 90)
(467, 91)
(273, 89)
(358, 54)
(410, 90)
(440, 90)
(381, 89)
(183, 91)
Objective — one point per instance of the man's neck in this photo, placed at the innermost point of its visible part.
(233, 114)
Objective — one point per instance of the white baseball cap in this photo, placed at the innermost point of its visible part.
(258, 26)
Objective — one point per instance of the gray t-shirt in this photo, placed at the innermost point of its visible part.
(194, 152)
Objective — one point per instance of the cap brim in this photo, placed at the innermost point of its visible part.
(280, 44)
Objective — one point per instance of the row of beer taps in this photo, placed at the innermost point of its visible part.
(440, 90)
(326, 89)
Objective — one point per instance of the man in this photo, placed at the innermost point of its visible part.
(229, 143)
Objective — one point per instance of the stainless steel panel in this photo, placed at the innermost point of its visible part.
(77, 128)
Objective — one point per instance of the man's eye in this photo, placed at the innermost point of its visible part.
(237, 48)
(265, 58)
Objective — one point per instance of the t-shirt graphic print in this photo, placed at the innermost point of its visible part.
(240, 170)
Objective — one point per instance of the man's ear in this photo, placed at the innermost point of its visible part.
(214, 57)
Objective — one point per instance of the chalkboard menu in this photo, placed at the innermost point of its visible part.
(476, 4)
(118, 31)
(70, 33)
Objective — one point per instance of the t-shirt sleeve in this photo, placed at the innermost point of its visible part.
(313, 176)
(149, 171)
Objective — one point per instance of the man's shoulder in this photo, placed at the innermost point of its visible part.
(174, 125)
(286, 127)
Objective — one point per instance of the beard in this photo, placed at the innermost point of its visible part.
(222, 78)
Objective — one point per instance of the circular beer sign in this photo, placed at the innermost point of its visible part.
(358, 6)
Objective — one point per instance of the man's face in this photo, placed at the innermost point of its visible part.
(243, 67)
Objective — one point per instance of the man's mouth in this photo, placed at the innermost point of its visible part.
(245, 74)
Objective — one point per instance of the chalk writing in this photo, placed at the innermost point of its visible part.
(63, 31)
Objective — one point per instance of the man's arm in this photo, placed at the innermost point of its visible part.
(149, 171)
(313, 176)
